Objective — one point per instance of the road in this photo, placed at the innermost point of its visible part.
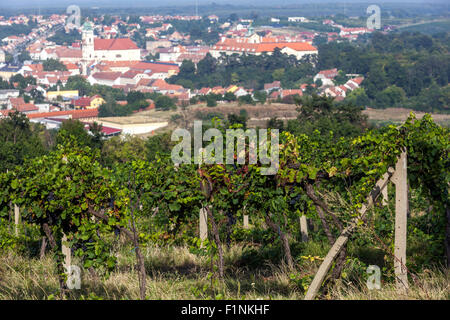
(18, 50)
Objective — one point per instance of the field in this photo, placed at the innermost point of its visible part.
(258, 115)
(427, 27)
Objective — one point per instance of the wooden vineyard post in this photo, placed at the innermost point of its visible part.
(400, 179)
(384, 193)
(16, 219)
(203, 216)
(67, 254)
(304, 228)
(246, 226)
(203, 224)
(343, 238)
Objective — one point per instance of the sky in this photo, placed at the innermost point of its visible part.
(151, 3)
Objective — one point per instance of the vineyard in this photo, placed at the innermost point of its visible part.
(333, 208)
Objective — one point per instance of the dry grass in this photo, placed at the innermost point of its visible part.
(258, 115)
(430, 285)
(173, 273)
(400, 115)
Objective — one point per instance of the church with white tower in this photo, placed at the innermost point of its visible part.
(96, 50)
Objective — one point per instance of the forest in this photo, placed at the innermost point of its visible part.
(131, 220)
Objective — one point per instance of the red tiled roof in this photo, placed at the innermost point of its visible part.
(329, 73)
(275, 84)
(242, 46)
(163, 85)
(114, 44)
(69, 53)
(156, 67)
(76, 114)
(82, 102)
(292, 92)
(107, 75)
(16, 102)
(358, 80)
(27, 107)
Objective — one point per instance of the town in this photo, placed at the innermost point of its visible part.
(51, 57)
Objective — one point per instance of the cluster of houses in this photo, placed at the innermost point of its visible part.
(339, 92)
(350, 34)
(10, 43)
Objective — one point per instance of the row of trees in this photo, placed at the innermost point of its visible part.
(246, 70)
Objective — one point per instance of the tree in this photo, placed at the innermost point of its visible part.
(390, 97)
(323, 114)
(211, 100)
(24, 56)
(261, 96)
(79, 83)
(164, 103)
(19, 140)
(75, 131)
(358, 97)
(229, 96)
(242, 118)
(158, 145)
(53, 65)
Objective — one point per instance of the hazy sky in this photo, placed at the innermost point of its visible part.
(131, 3)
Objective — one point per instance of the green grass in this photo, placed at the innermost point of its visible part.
(175, 273)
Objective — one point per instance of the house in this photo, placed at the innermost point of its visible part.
(353, 31)
(9, 71)
(354, 83)
(72, 68)
(204, 91)
(6, 94)
(105, 78)
(157, 70)
(297, 19)
(20, 105)
(276, 85)
(163, 87)
(152, 46)
(326, 76)
(88, 102)
(12, 39)
(213, 18)
(240, 92)
(291, 92)
(2, 56)
(65, 54)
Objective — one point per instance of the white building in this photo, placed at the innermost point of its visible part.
(297, 19)
(2, 56)
(248, 46)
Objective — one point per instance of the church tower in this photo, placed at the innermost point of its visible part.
(88, 41)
